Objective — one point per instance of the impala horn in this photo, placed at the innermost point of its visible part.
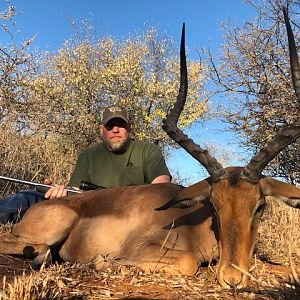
(215, 170)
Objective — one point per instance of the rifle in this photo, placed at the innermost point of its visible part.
(43, 188)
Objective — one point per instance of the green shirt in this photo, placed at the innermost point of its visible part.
(140, 164)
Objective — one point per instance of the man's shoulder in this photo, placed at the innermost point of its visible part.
(95, 148)
(147, 146)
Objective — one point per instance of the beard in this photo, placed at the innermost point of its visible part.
(118, 146)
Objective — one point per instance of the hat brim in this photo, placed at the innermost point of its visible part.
(115, 116)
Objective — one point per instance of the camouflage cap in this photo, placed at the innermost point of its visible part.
(112, 112)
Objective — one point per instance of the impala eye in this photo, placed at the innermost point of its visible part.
(260, 208)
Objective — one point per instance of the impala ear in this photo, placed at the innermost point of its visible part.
(189, 196)
(287, 193)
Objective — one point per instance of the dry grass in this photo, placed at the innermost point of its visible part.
(34, 158)
(31, 287)
(279, 234)
(73, 281)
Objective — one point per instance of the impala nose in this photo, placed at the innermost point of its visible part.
(233, 277)
(229, 277)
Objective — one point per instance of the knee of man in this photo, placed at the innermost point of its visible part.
(24, 199)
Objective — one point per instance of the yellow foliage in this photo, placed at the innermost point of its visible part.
(141, 73)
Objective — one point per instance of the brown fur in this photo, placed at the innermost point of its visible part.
(119, 222)
(122, 223)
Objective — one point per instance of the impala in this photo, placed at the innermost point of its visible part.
(165, 226)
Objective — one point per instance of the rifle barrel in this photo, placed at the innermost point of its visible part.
(40, 187)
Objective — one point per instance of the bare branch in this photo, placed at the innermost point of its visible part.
(288, 134)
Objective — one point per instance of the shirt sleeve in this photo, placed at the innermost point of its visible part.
(81, 170)
(155, 164)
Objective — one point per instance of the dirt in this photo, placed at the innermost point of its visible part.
(127, 282)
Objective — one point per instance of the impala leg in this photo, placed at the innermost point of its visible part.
(11, 244)
(153, 257)
(16, 245)
(44, 226)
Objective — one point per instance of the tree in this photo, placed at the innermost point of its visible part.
(16, 71)
(141, 73)
(254, 73)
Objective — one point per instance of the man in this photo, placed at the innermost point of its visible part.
(116, 161)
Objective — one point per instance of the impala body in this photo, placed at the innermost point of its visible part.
(124, 223)
(118, 223)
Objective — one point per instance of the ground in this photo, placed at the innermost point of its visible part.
(72, 281)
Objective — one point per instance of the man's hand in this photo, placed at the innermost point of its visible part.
(55, 192)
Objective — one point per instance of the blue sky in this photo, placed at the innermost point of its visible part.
(49, 20)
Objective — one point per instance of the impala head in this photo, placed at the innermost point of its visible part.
(237, 193)
(239, 205)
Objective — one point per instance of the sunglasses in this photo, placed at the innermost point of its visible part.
(115, 123)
